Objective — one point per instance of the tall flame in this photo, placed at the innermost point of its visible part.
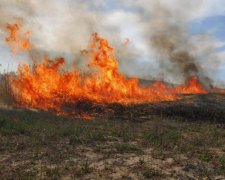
(45, 86)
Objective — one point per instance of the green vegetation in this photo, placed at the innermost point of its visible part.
(41, 145)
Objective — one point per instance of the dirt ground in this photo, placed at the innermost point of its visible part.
(39, 145)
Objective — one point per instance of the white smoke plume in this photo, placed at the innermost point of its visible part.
(64, 27)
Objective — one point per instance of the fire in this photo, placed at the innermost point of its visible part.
(219, 90)
(46, 86)
(192, 86)
(17, 41)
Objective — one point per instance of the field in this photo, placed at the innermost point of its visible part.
(169, 140)
(71, 109)
(154, 144)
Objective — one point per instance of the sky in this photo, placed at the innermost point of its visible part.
(65, 26)
(214, 25)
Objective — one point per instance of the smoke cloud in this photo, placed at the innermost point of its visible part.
(172, 43)
(160, 45)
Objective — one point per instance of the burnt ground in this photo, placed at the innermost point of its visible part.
(168, 140)
(208, 107)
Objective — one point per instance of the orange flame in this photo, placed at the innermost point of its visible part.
(46, 86)
(17, 41)
(192, 86)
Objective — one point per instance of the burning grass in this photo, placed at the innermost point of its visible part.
(46, 86)
(135, 131)
(151, 140)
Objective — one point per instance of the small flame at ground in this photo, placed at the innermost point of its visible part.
(192, 86)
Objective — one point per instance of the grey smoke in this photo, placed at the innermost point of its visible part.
(160, 45)
(171, 41)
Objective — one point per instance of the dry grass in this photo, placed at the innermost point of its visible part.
(6, 97)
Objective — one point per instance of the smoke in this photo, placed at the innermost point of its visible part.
(63, 28)
(55, 25)
(159, 43)
(171, 41)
